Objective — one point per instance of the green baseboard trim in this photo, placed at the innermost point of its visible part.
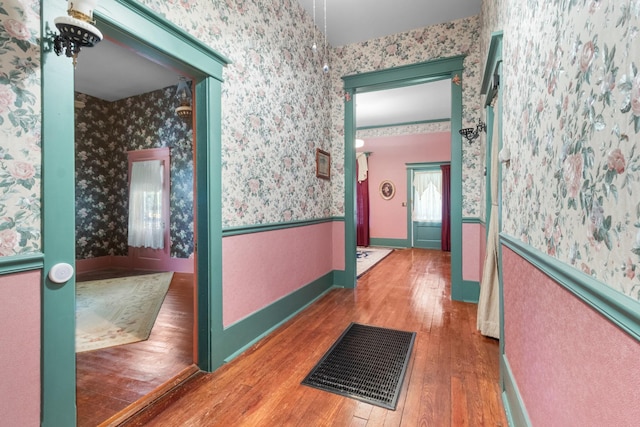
(21, 263)
(246, 332)
(620, 309)
(389, 243)
(470, 291)
(339, 278)
(259, 228)
(514, 408)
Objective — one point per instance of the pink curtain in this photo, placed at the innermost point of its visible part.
(362, 209)
(446, 208)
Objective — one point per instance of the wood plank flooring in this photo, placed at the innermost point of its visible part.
(110, 379)
(451, 380)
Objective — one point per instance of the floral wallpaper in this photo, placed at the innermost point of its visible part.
(275, 106)
(105, 131)
(19, 128)
(437, 41)
(572, 88)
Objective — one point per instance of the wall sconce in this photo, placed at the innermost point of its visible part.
(76, 30)
(183, 94)
(359, 143)
(471, 133)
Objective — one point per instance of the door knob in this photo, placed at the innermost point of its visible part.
(61, 272)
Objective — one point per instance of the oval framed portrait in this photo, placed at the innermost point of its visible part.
(387, 190)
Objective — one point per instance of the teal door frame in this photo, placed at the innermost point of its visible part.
(136, 26)
(439, 69)
(412, 168)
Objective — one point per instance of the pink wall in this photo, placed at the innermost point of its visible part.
(388, 218)
(471, 260)
(260, 268)
(20, 349)
(572, 366)
(338, 245)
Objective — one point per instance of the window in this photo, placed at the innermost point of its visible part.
(427, 196)
(146, 222)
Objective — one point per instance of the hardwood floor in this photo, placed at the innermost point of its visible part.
(108, 380)
(452, 378)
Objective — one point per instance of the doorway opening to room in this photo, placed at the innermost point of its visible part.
(447, 70)
(135, 233)
(397, 129)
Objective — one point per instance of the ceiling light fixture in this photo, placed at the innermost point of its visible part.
(471, 133)
(314, 46)
(183, 94)
(76, 30)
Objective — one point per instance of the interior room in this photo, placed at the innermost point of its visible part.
(532, 317)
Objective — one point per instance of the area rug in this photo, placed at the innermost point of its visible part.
(118, 311)
(366, 363)
(368, 257)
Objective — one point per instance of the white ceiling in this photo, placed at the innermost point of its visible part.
(354, 21)
(113, 72)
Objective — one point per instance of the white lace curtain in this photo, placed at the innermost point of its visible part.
(146, 222)
(427, 200)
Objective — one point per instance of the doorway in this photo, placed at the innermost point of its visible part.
(137, 27)
(449, 68)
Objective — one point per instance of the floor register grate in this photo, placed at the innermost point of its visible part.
(367, 363)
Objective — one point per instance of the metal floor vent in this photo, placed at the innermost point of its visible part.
(367, 363)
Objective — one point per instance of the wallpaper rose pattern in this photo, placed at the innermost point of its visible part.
(572, 88)
(105, 131)
(19, 128)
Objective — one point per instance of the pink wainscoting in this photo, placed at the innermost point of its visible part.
(572, 366)
(260, 268)
(471, 252)
(338, 245)
(20, 349)
(483, 249)
(388, 218)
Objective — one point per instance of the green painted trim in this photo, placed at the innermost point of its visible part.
(244, 333)
(350, 270)
(470, 291)
(392, 125)
(445, 68)
(208, 171)
(58, 357)
(124, 18)
(21, 263)
(471, 220)
(422, 72)
(259, 228)
(621, 310)
(390, 243)
(425, 165)
(494, 58)
(514, 407)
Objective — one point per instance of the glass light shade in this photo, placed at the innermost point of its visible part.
(359, 143)
(183, 94)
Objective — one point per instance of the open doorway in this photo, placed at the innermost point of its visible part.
(399, 129)
(125, 114)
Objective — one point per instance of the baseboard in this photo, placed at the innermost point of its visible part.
(389, 243)
(177, 265)
(470, 291)
(246, 332)
(514, 408)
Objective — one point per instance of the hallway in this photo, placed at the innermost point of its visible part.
(451, 380)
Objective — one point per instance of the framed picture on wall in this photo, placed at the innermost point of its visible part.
(323, 164)
(387, 190)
